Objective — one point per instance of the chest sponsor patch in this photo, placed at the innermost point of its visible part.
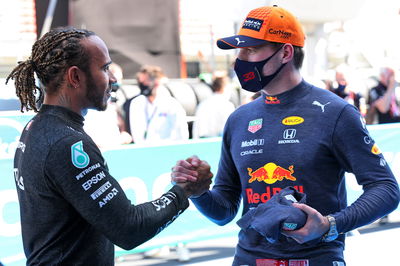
(79, 158)
(292, 120)
(270, 173)
(289, 137)
(255, 125)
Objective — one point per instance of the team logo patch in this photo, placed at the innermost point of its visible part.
(270, 173)
(255, 125)
(272, 100)
(79, 158)
(252, 24)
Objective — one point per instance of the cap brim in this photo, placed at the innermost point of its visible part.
(238, 41)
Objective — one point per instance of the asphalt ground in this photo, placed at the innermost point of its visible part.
(372, 245)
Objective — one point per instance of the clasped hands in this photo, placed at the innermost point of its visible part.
(193, 175)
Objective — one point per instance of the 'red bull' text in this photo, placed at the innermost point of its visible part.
(253, 197)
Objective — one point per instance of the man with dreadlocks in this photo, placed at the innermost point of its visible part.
(72, 210)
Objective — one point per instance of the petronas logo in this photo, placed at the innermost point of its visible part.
(78, 156)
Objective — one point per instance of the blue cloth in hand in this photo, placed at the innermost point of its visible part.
(277, 214)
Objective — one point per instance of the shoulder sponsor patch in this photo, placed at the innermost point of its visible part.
(255, 125)
(79, 158)
(375, 150)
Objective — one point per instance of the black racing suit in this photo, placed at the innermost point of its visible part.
(72, 210)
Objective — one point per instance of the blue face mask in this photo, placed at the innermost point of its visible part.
(340, 88)
(250, 73)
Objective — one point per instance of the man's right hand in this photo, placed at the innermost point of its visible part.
(193, 175)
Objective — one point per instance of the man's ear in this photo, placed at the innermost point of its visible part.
(74, 76)
(288, 52)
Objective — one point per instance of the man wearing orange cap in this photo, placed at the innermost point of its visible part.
(294, 135)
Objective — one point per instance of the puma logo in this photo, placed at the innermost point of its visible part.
(238, 41)
(321, 105)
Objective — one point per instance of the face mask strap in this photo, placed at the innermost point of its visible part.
(264, 80)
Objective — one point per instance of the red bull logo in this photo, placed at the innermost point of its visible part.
(270, 173)
(272, 100)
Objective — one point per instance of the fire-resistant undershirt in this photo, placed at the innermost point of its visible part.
(72, 210)
(307, 138)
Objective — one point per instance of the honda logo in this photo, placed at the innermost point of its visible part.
(289, 134)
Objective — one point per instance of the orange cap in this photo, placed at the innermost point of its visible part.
(273, 24)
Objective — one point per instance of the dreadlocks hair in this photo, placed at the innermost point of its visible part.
(51, 56)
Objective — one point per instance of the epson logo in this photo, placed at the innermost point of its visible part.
(93, 180)
(283, 34)
(253, 24)
(254, 142)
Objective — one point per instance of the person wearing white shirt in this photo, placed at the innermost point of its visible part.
(155, 117)
(212, 113)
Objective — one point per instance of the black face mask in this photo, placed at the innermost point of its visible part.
(145, 89)
(250, 73)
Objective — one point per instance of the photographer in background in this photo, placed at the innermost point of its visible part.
(382, 98)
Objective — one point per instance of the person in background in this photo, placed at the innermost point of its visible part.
(294, 136)
(72, 210)
(212, 112)
(383, 105)
(113, 134)
(342, 88)
(119, 75)
(155, 116)
(382, 98)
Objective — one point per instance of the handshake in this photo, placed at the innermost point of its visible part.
(192, 175)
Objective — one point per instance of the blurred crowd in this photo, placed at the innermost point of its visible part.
(377, 98)
(152, 115)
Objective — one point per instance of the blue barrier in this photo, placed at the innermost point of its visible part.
(144, 174)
